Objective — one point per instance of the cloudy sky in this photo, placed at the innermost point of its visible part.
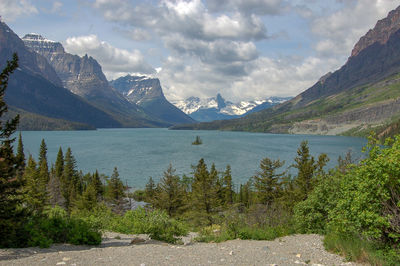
(244, 49)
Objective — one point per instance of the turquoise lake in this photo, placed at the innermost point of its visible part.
(141, 153)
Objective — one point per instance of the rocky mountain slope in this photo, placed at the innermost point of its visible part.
(217, 108)
(83, 76)
(362, 94)
(147, 93)
(36, 89)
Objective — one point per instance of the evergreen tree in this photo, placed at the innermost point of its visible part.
(35, 187)
(20, 157)
(204, 196)
(70, 181)
(150, 190)
(267, 182)
(170, 195)
(20, 152)
(43, 166)
(97, 185)
(245, 194)
(88, 200)
(54, 189)
(228, 186)
(12, 214)
(115, 191)
(307, 170)
(59, 166)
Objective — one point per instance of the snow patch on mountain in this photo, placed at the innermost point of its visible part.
(193, 104)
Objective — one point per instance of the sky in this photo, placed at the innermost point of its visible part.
(243, 49)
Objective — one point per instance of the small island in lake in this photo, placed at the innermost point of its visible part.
(198, 141)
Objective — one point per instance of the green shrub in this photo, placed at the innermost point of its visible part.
(355, 249)
(54, 226)
(159, 226)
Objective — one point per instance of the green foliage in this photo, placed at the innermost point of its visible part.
(169, 195)
(57, 227)
(35, 187)
(115, 191)
(355, 249)
(204, 193)
(12, 214)
(308, 170)
(268, 183)
(359, 202)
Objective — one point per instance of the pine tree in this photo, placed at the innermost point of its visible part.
(70, 182)
(267, 182)
(307, 170)
(59, 166)
(42, 163)
(204, 196)
(228, 186)
(20, 152)
(54, 189)
(35, 187)
(88, 200)
(150, 190)
(98, 185)
(170, 195)
(12, 213)
(115, 191)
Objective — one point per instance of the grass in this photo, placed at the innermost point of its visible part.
(356, 249)
(216, 233)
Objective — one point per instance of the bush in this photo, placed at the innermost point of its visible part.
(54, 226)
(355, 249)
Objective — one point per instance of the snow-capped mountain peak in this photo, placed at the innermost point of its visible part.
(209, 109)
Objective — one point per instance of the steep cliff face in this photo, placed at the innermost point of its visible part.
(147, 93)
(83, 76)
(36, 89)
(380, 33)
(30, 61)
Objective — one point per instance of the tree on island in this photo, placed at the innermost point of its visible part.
(198, 141)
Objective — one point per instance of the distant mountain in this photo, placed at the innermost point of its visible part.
(147, 93)
(36, 89)
(362, 95)
(216, 108)
(83, 76)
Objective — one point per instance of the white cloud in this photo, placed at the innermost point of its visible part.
(212, 45)
(114, 61)
(259, 7)
(10, 10)
(340, 31)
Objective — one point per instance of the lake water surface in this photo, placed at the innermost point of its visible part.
(141, 153)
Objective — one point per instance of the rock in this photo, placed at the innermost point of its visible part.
(66, 259)
(61, 263)
(298, 255)
(137, 240)
(231, 253)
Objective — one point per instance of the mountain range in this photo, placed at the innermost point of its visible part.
(217, 108)
(363, 95)
(53, 89)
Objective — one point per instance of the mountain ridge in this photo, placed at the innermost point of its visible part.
(84, 77)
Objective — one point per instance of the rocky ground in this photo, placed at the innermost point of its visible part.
(119, 249)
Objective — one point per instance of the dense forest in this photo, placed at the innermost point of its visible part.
(356, 205)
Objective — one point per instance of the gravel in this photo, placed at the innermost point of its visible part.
(116, 249)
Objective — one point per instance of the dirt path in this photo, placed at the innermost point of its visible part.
(290, 250)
